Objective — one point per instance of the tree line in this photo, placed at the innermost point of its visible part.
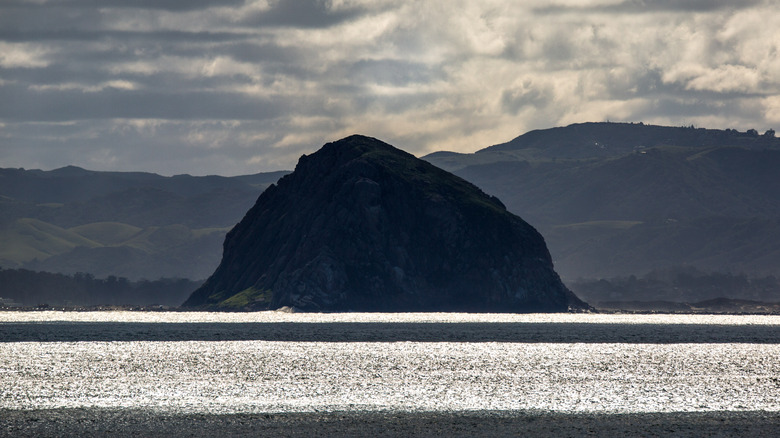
(679, 284)
(33, 288)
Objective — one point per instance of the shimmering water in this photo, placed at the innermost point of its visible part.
(205, 364)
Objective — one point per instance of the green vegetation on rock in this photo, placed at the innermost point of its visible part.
(249, 297)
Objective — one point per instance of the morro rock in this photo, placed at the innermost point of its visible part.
(363, 226)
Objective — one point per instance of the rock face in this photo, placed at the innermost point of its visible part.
(363, 226)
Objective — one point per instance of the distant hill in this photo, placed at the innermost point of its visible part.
(583, 141)
(619, 199)
(130, 224)
(678, 285)
(360, 225)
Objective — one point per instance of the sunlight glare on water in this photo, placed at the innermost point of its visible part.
(275, 376)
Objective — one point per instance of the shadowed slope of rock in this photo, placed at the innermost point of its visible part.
(361, 225)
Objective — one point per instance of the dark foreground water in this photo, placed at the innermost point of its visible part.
(268, 373)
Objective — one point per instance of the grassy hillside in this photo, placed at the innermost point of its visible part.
(106, 233)
(27, 239)
(132, 224)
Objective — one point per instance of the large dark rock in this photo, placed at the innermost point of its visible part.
(361, 225)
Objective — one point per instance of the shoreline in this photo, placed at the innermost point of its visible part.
(138, 422)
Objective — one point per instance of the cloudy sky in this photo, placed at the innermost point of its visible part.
(243, 86)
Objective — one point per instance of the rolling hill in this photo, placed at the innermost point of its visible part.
(130, 224)
(619, 199)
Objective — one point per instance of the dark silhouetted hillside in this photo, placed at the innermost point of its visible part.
(620, 199)
(361, 225)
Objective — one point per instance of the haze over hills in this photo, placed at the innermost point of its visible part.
(619, 199)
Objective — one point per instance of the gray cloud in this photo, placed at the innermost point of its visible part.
(244, 86)
(642, 6)
(113, 103)
(393, 72)
(169, 36)
(168, 5)
(303, 13)
(526, 95)
(47, 19)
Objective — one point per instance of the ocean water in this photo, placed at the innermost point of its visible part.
(198, 362)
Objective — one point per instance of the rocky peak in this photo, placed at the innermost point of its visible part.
(361, 225)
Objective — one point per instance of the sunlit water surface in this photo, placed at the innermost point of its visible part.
(213, 376)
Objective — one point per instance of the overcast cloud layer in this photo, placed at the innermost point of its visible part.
(234, 87)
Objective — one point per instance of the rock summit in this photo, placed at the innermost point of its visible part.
(363, 226)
